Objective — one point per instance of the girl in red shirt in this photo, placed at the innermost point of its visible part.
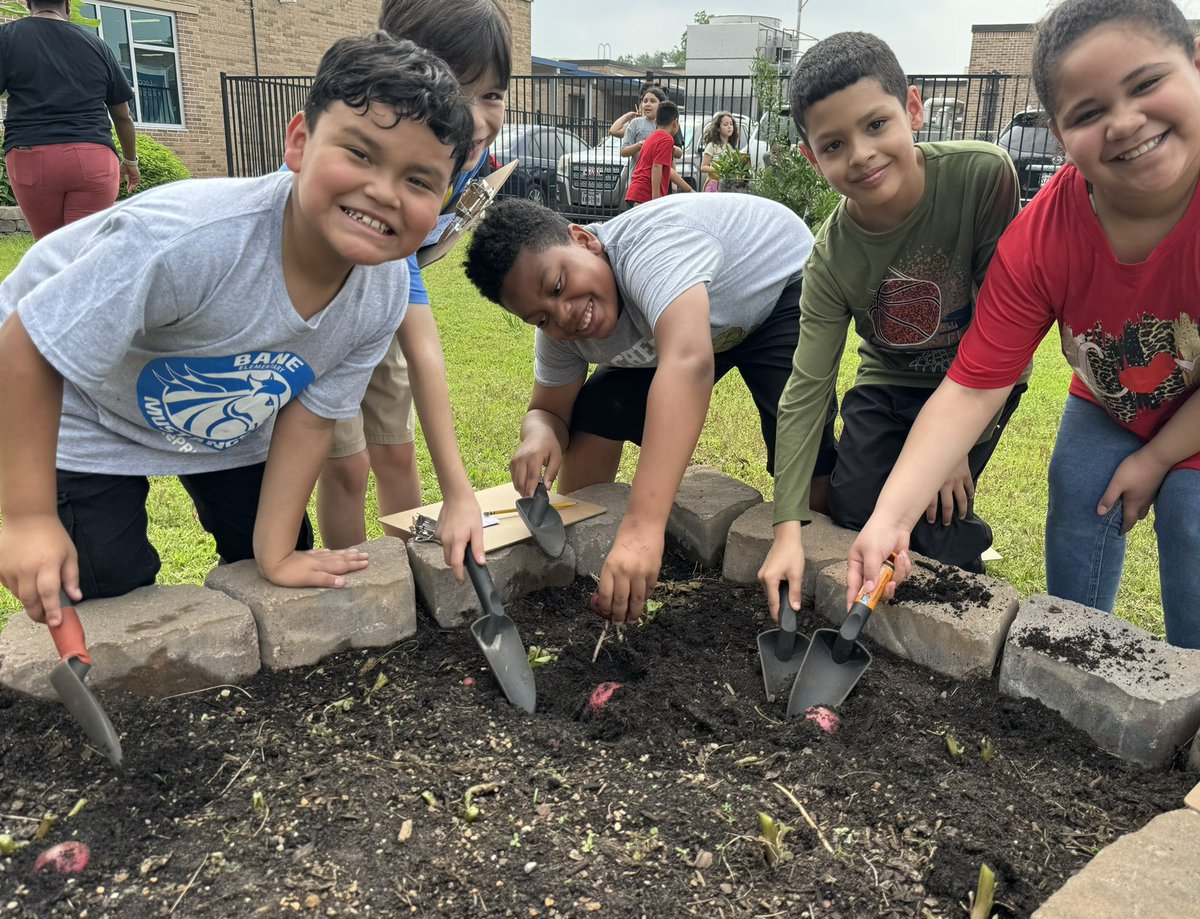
(1110, 252)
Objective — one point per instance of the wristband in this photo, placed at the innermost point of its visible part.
(132, 162)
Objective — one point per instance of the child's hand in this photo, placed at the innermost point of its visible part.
(630, 571)
(785, 562)
(876, 542)
(538, 451)
(314, 568)
(37, 560)
(957, 491)
(1135, 484)
(460, 523)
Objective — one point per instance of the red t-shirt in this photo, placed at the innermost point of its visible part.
(658, 148)
(1129, 332)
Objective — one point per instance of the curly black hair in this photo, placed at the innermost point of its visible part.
(507, 227)
(399, 75)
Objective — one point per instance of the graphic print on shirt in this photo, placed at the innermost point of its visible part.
(218, 401)
(1152, 361)
(921, 307)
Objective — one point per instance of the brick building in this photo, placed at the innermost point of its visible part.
(175, 52)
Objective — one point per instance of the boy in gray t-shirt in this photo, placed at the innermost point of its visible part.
(214, 330)
(665, 299)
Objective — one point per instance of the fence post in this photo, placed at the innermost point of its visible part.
(989, 104)
(226, 115)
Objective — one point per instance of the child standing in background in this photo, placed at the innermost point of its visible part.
(720, 135)
(652, 175)
(1110, 251)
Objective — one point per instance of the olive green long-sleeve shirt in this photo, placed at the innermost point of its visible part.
(910, 292)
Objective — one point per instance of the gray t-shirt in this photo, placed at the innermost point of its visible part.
(168, 318)
(744, 248)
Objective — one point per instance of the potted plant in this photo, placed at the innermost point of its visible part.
(732, 169)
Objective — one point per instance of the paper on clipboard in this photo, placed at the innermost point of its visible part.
(508, 528)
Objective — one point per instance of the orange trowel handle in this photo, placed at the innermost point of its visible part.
(68, 635)
(886, 570)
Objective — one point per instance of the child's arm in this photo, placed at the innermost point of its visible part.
(1139, 477)
(824, 318)
(37, 556)
(679, 182)
(675, 410)
(944, 432)
(461, 521)
(300, 443)
(545, 435)
(617, 128)
(706, 165)
(656, 172)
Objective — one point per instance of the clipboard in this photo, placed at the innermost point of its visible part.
(470, 206)
(509, 528)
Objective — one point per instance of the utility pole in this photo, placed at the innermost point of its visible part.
(800, 5)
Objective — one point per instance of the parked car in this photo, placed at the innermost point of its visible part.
(771, 129)
(944, 118)
(538, 148)
(1034, 150)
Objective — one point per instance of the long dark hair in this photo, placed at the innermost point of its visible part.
(712, 134)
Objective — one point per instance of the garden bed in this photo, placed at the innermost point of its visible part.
(343, 790)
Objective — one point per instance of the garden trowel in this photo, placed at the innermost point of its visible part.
(67, 678)
(781, 650)
(544, 522)
(497, 636)
(835, 660)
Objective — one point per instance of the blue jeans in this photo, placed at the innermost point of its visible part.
(1086, 552)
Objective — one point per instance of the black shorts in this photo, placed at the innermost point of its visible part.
(105, 516)
(612, 403)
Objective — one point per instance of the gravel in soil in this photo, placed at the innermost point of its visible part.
(400, 782)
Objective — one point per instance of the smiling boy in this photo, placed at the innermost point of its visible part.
(903, 258)
(213, 330)
(665, 299)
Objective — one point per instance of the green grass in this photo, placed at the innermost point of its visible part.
(490, 374)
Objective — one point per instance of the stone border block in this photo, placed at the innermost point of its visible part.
(516, 570)
(1149, 873)
(592, 539)
(1134, 695)
(706, 505)
(1193, 799)
(962, 640)
(1194, 755)
(153, 641)
(298, 627)
(748, 543)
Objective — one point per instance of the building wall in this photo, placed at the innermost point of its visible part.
(1006, 48)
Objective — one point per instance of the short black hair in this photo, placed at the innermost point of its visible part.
(473, 36)
(1070, 21)
(839, 61)
(507, 227)
(397, 74)
(667, 112)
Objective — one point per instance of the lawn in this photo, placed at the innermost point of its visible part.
(488, 356)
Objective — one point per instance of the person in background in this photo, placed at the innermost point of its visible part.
(474, 38)
(720, 135)
(63, 85)
(652, 176)
(634, 129)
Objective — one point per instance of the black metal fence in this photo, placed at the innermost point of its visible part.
(558, 123)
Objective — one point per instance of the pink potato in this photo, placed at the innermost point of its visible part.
(601, 694)
(827, 720)
(64, 858)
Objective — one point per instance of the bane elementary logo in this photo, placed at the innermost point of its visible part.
(217, 401)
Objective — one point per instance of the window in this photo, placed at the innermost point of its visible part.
(145, 45)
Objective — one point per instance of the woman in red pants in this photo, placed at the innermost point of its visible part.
(63, 84)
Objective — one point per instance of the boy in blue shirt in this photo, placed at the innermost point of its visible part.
(214, 330)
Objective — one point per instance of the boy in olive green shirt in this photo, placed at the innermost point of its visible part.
(903, 257)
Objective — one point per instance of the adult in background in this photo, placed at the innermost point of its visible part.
(63, 84)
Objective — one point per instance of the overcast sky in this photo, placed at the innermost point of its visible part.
(929, 36)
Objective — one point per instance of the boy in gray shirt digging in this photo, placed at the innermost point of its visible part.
(213, 330)
(666, 299)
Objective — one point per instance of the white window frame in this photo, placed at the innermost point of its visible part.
(126, 9)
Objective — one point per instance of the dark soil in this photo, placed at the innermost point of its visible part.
(933, 582)
(332, 792)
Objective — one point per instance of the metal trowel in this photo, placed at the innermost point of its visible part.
(68, 677)
(781, 650)
(835, 660)
(499, 640)
(544, 522)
